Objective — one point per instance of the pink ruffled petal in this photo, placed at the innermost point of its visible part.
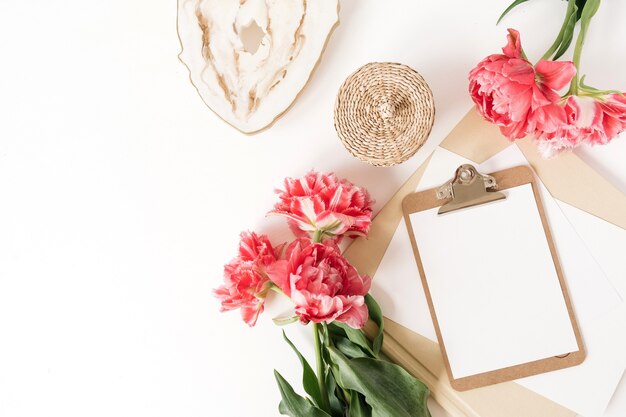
(322, 283)
(515, 130)
(250, 314)
(513, 48)
(278, 273)
(356, 316)
(555, 74)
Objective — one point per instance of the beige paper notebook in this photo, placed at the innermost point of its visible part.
(477, 140)
(492, 278)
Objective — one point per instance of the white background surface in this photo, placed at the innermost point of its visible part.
(122, 195)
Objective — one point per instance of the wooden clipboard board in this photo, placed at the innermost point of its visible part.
(505, 180)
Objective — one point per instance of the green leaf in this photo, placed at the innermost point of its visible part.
(309, 380)
(337, 404)
(376, 315)
(325, 334)
(357, 337)
(595, 91)
(348, 348)
(511, 7)
(580, 5)
(285, 320)
(567, 33)
(335, 331)
(358, 406)
(589, 9)
(387, 388)
(588, 87)
(294, 405)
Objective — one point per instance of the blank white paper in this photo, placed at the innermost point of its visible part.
(586, 388)
(498, 304)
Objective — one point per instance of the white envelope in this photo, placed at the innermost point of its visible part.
(585, 389)
(618, 402)
(607, 243)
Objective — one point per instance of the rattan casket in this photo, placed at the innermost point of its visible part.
(384, 113)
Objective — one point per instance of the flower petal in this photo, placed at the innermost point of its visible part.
(555, 74)
(278, 273)
(513, 48)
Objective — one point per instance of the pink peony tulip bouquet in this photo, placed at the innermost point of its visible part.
(328, 293)
(523, 98)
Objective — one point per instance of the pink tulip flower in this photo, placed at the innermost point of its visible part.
(322, 284)
(245, 279)
(515, 95)
(591, 120)
(320, 202)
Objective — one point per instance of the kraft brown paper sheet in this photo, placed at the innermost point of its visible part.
(568, 179)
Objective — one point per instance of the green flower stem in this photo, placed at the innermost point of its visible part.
(320, 368)
(276, 289)
(559, 38)
(317, 236)
(573, 88)
(591, 7)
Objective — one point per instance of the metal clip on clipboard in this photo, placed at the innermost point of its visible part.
(468, 188)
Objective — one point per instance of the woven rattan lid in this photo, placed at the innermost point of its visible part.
(384, 113)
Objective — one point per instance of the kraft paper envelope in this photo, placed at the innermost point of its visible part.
(568, 179)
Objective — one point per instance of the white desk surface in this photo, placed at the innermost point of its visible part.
(122, 195)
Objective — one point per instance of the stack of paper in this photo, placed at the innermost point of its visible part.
(585, 389)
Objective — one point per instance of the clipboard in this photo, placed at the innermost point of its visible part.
(493, 325)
